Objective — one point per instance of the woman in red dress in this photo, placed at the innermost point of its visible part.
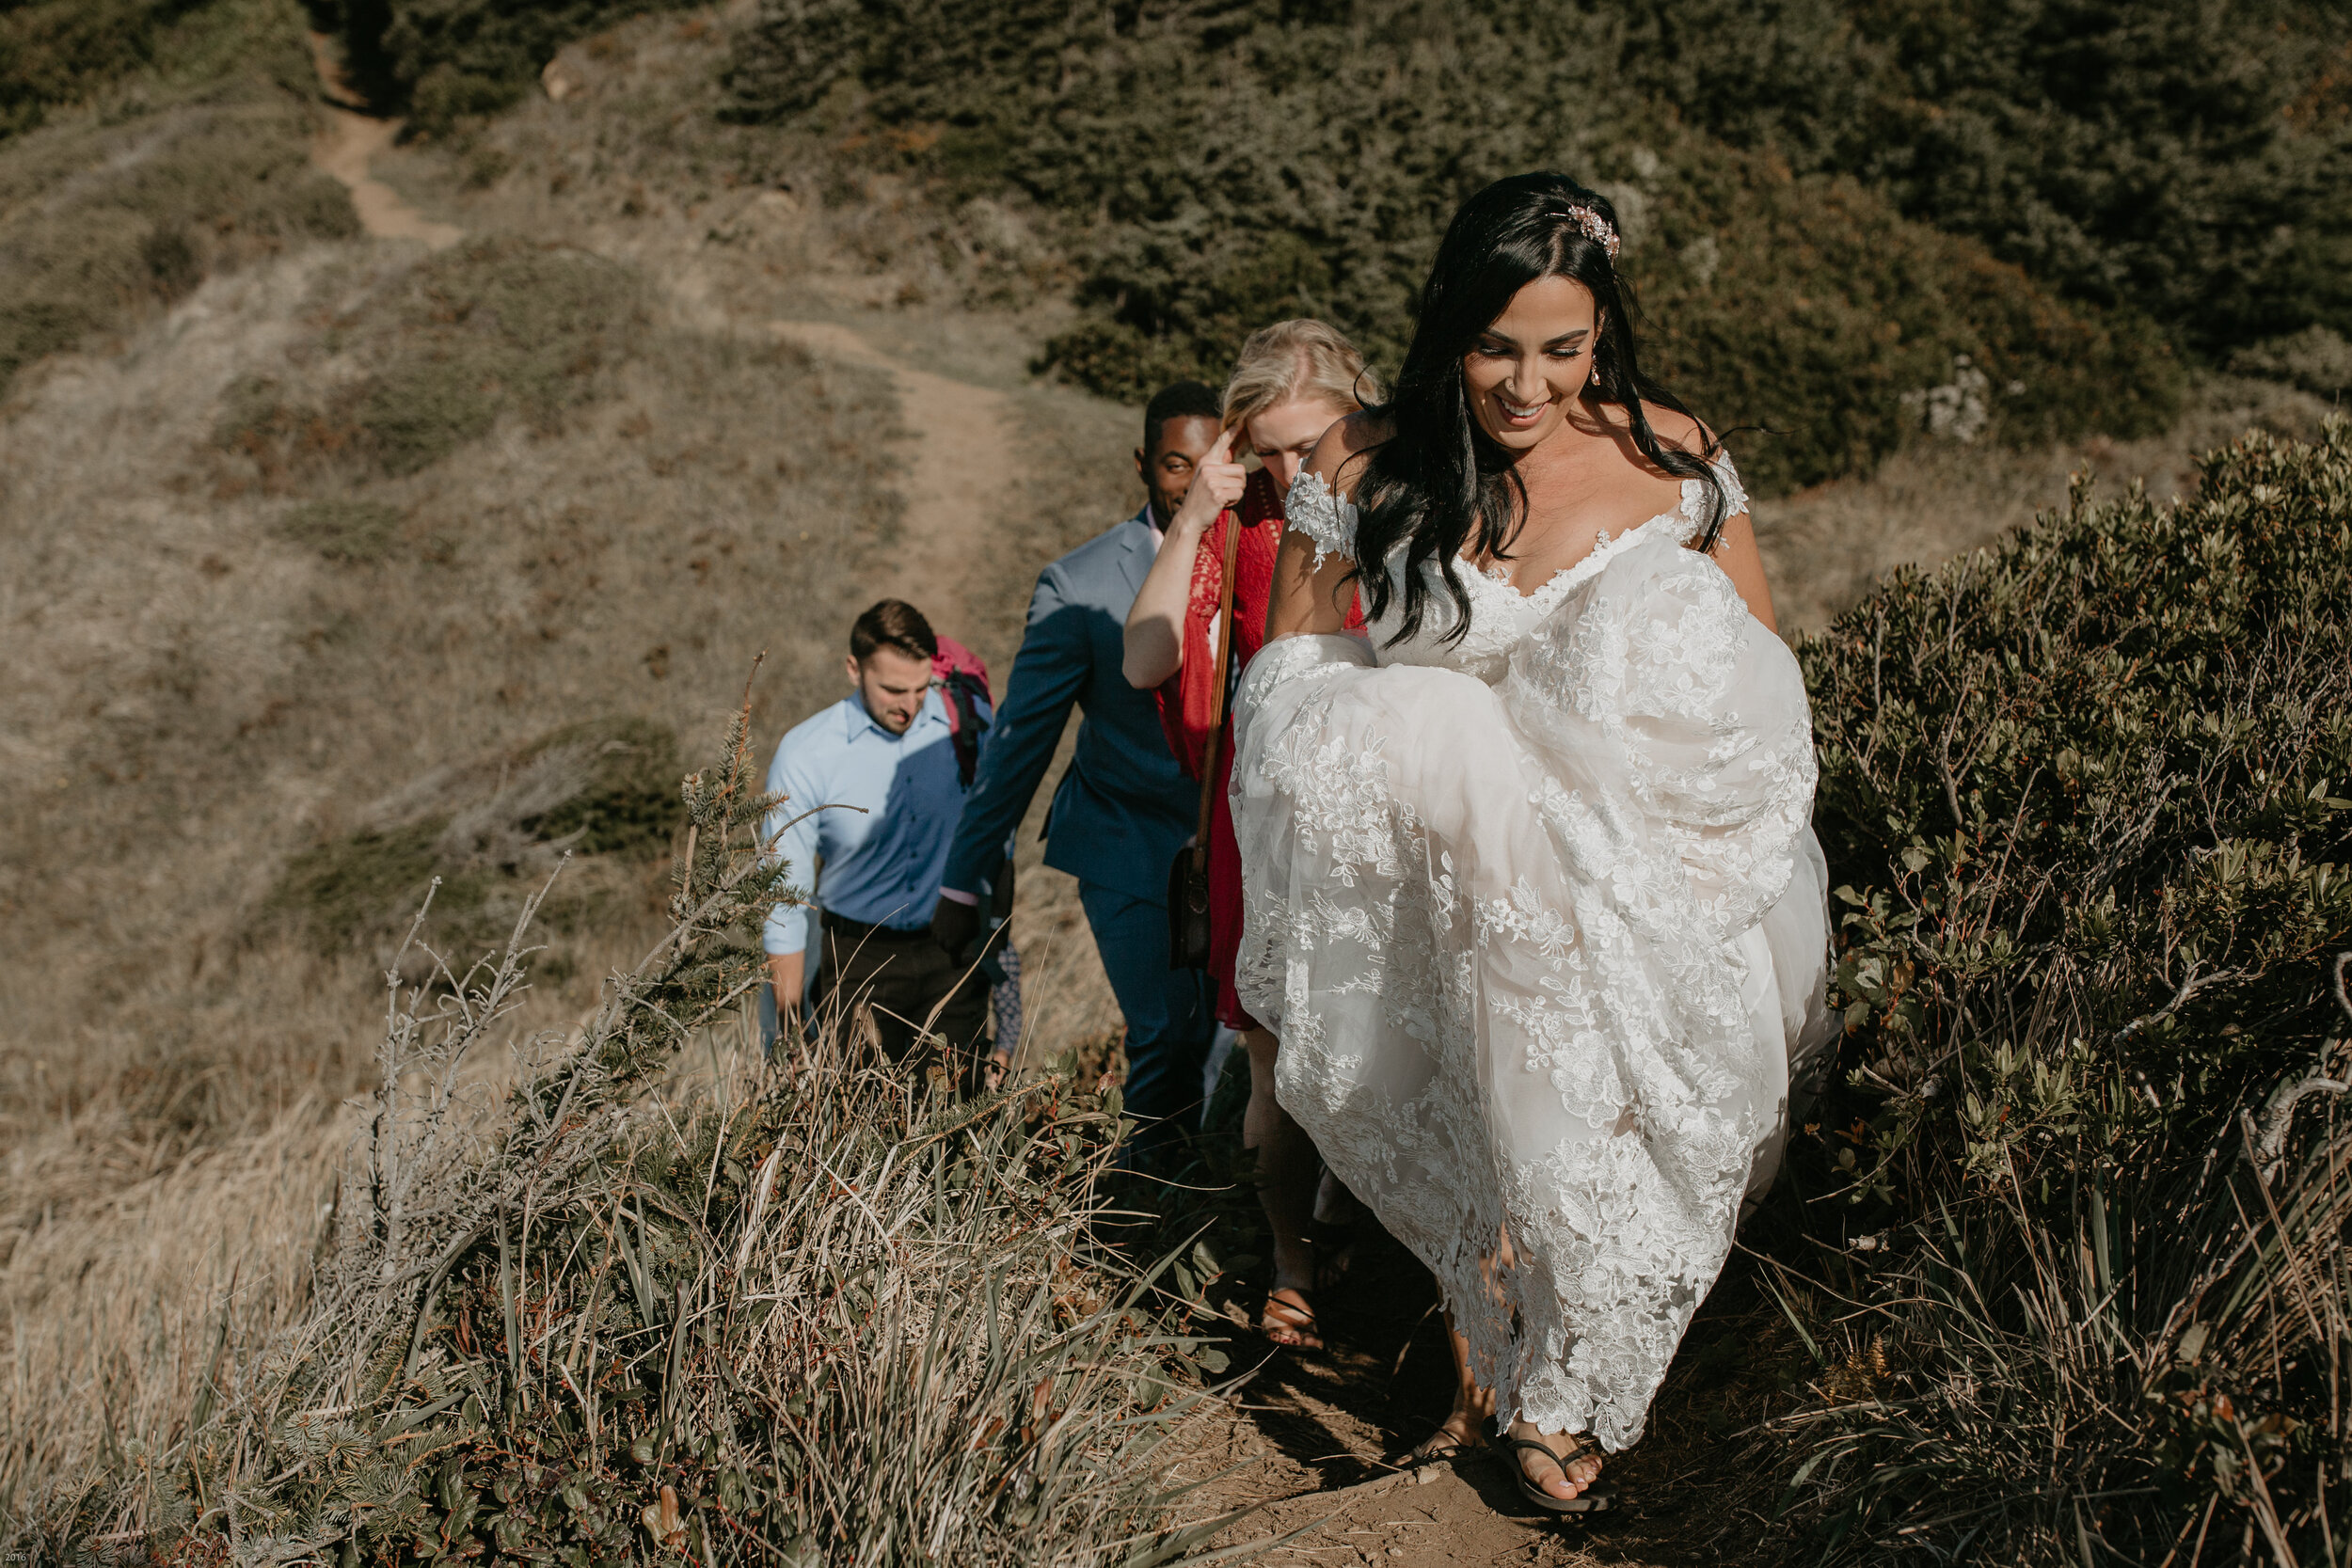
(1294, 381)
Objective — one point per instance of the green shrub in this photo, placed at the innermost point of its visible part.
(491, 833)
(1808, 308)
(490, 327)
(58, 53)
(1289, 160)
(2317, 360)
(353, 889)
(630, 805)
(2188, 164)
(2107, 761)
(2087, 799)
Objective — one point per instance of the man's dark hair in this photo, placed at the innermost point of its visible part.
(893, 623)
(1178, 400)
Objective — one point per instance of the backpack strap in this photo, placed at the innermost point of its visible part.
(962, 691)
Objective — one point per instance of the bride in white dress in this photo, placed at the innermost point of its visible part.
(1532, 900)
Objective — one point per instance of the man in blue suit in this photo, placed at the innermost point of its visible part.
(1125, 807)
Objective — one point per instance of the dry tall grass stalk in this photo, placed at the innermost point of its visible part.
(826, 1313)
(115, 1314)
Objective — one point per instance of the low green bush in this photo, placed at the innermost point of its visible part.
(2087, 798)
(488, 329)
(2317, 360)
(2108, 762)
(2158, 155)
(492, 833)
(1288, 161)
(629, 804)
(354, 888)
(56, 52)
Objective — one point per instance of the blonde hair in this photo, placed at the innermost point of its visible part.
(1295, 360)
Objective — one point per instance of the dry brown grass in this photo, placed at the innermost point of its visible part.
(208, 682)
(197, 697)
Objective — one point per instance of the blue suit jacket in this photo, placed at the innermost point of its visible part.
(1125, 807)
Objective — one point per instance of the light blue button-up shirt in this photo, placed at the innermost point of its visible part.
(881, 864)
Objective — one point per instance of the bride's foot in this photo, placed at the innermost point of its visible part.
(1458, 1434)
(1337, 1213)
(1465, 1425)
(1557, 1471)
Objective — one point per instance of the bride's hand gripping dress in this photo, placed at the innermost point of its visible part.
(1540, 919)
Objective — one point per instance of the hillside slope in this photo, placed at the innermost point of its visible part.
(345, 562)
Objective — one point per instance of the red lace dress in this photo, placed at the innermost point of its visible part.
(1185, 697)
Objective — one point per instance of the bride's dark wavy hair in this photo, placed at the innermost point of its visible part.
(1441, 484)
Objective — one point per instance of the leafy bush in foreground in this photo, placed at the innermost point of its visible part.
(2089, 795)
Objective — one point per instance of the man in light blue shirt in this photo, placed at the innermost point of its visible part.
(873, 794)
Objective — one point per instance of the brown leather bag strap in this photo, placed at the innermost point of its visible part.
(1230, 522)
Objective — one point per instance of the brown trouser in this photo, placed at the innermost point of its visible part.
(901, 975)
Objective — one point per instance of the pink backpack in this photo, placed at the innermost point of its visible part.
(963, 683)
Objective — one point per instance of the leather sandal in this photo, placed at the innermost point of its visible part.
(1595, 1499)
(1295, 1318)
(1439, 1446)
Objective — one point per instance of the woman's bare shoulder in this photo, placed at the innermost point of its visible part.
(1674, 428)
(1338, 459)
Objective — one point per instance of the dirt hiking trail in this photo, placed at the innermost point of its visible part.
(957, 449)
(349, 142)
(956, 436)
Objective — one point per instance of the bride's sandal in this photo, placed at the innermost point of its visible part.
(1290, 1323)
(1595, 1499)
(1438, 1447)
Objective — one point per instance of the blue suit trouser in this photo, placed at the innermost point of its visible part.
(1171, 1013)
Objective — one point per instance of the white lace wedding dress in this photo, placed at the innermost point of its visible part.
(1540, 918)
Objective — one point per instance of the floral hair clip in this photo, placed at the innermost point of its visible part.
(1596, 229)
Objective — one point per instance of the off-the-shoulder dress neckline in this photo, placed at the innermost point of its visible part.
(1605, 545)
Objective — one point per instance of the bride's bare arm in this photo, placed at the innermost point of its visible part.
(1735, 553)
(1310, 597)
(1735, 548)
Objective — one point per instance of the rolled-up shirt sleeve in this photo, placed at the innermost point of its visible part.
(789, 832)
